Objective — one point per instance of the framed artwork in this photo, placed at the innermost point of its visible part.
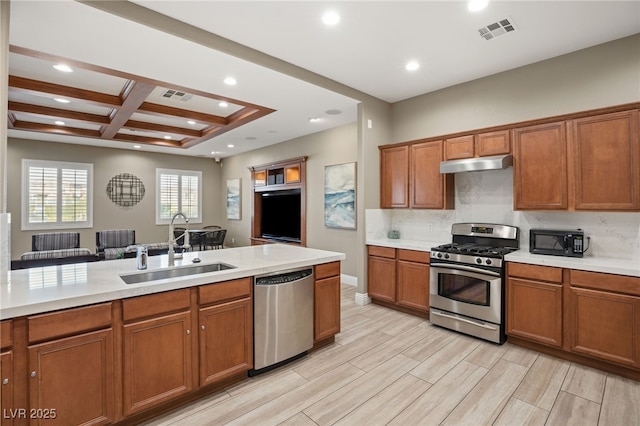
(125, 189)
(340, 196)
(233, 199)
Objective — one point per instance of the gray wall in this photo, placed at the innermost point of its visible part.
(108, 162)
(322, 149)
(600, 76)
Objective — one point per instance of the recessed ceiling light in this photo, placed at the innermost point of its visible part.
(223, 104)
(250, 138)
(331, 18)
(137, 146)
(412, 66)
(61, 100)
(192, 122)
(333, 112)
(230, 81)
(230, 145)
(314, 119)
(167, 137)
(63, 68)
(477, 5)
(59, 122)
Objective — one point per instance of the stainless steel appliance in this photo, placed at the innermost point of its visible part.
(467, 283)
(557, 242)
(282, 318)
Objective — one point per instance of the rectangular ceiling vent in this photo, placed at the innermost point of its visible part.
(176, 95)
(497, 29)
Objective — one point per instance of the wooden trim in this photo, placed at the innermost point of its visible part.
(536, 272)
(414, 255)
(6, 336)
(380, 251)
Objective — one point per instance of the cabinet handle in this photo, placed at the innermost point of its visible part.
(188, 331)
(33, 374)
(5, 381)
(202, 326)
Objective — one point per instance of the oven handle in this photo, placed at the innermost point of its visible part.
(456, 318)
(465, 268)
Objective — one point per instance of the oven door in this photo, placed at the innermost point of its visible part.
(467, 291)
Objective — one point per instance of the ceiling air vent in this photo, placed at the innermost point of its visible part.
(176, 95)
(497, 29)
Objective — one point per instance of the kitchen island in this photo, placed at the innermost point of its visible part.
(79, 345)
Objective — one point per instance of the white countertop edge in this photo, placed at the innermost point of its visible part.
(403, 243)
(24, 305)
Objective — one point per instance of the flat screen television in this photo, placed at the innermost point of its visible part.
(280, 215)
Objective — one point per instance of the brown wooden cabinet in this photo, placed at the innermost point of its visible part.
(605, 151)
(534, 303)
(413, 279)
(410, 176)
(478, 145)
(604, 317)
(394, 177)
(399, 278)
(157, 354)
(459, 147)
(71, 366)
(326, 296)
(6, 373)
(226, 330)
(540, 167)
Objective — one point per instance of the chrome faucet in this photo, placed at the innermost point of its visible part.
(172, 238)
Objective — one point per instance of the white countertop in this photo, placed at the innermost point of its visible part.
(38, 290)
(588, 263)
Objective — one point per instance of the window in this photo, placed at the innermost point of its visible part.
(56, 195)
(178, 191)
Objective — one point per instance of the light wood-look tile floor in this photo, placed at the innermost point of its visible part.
(390, 368)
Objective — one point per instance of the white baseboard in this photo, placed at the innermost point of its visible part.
(362, 299)
(349, 280)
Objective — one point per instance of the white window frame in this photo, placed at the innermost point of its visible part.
(180, 174)
(59, 224)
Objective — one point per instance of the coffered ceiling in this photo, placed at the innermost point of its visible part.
(152, 73)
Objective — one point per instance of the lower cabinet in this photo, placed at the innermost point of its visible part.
(226, 330)
(605, 324)
(534, 303)
(326, 296)
(399, 278)
(6, 373)
(156, 349)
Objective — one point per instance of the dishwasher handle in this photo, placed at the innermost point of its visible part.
(284, 278)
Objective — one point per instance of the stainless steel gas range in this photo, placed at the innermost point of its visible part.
(467, 281)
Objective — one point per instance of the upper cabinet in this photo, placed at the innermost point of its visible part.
(605, 153)
(274, 176)
(479, 145)
(410, 177)
(590, 163)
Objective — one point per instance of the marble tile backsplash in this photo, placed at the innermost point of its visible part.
(487, 196)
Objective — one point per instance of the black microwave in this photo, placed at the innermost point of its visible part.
(557, 242)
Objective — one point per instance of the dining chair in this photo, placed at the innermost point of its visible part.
(214, 239)
(212, 227)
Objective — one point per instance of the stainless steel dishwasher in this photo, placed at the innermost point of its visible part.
(282, 317)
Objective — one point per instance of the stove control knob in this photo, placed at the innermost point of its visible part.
(488, 262)
(478, 260)
(446, 256)
(439, 255)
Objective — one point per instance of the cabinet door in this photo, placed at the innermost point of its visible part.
(606, 162)
(394, 177)
(429, 188)
(605, 325)
(156, 361)
(534, 311)
(326, 307)
(74, 377)
(226, 340)
(6, 388)
(540, 167)
(382, 279)
(413, 285)
(460, 147)
(493, 143)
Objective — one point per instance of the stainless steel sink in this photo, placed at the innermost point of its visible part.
(161, 274)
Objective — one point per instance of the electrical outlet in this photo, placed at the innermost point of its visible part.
(429, 227)
(233, 240)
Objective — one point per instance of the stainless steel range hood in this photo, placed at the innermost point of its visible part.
(476, 164)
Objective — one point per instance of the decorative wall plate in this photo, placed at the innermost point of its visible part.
(125, 190)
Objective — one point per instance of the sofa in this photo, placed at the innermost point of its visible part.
(54, 248)
(121, 243)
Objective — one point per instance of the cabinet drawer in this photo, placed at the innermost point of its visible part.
(607, 282)
(382, 251)
(543, 273)
(326, 270)
(155, 304)
(413, 255)
(228, 290)
(6, 339)
(68, 322)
